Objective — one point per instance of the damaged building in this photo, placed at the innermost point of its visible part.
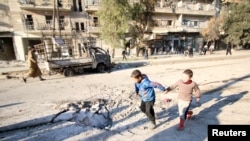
(25, 22)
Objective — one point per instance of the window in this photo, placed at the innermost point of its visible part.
(59, 3)
(185, 22)
(29, 22)
(77, 5)
(77, 26)
(74, 5)
(82, 27)
(95, 20)
(48, 19)
(169, 23)
(80, 5)
(195, 23)
(1, 46)
(61, 22)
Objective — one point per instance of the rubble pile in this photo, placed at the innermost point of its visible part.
(86, 113)
(99, 113)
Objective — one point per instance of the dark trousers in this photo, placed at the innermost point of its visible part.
(147, 108)
(229, 52)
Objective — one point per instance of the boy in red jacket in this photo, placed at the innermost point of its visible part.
(185, 95)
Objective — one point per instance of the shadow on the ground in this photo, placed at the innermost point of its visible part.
(43, 128)
(193, 128)
(205, 117)
(12, 104)
(128, 65)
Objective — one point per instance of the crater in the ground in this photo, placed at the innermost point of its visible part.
(87, 113)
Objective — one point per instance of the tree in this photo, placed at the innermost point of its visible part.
(141, 16)
(236, 24)
(214, 28)
(114, 17)
(212, 31)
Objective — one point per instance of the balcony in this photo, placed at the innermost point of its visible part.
(40, 5)
(94, 29)
(164, 26)
(164, 30)
(37, 27)
(186, 8)
(92, 5)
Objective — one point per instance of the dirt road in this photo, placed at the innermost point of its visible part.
(224, 82)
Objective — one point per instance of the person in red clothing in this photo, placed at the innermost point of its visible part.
(185, 95)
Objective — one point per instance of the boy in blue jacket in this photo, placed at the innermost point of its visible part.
(145, 88)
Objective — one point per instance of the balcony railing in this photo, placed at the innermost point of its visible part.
(93, 29)
(185, 8)
(93, 2)
(43, 5)
(45, 26)
(92, 5)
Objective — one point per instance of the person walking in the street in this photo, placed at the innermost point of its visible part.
(211, 48)
(205, 48)
(145, 88)
(146, 54)
(229, 47)
(200, 50)
(185, 95)
(34, 70)
(124, 55)
(108, 51)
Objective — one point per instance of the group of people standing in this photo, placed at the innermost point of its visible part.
(144, 88)
(203, 49)
(211, 48)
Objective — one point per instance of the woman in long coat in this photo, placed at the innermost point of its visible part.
(34, 70)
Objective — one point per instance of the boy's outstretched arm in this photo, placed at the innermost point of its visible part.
(157, 85)
(171, 87)
(167, 89)
(197, 92)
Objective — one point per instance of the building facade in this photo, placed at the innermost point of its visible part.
(25, 22)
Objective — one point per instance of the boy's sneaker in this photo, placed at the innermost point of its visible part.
(24, 80)
(189, 115)
(152, 125)
(167, 100)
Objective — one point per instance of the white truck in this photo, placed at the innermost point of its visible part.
(61, 56)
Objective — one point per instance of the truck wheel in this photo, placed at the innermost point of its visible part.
(100, 68)
(68, 72)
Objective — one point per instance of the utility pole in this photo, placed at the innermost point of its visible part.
(54, 25)
(58, 17)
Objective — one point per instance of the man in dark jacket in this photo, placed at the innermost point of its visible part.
(229, 47)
